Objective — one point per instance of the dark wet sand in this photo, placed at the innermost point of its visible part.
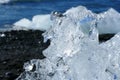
(17, 47)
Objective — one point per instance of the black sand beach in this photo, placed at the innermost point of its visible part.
(18, 47)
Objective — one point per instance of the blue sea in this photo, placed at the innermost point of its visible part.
(16, 10)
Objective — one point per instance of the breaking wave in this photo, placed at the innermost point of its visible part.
(75, 52)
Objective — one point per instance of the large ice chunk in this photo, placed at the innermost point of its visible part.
(74, 52)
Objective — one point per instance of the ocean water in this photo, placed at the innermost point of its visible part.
(18, 9)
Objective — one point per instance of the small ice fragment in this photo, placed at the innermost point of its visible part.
(28, 67)
(39, 42)
(2, 35)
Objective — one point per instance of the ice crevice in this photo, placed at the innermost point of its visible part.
(74, 52)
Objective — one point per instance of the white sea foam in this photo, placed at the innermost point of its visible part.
(4, 1)
(7, 1)
(75, 52)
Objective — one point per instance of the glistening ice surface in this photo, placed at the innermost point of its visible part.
(75, 52)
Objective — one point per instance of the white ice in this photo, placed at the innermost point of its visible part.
(75, 53)
(41, 22)
(2, 35)
(23, 23)
(109, 22)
